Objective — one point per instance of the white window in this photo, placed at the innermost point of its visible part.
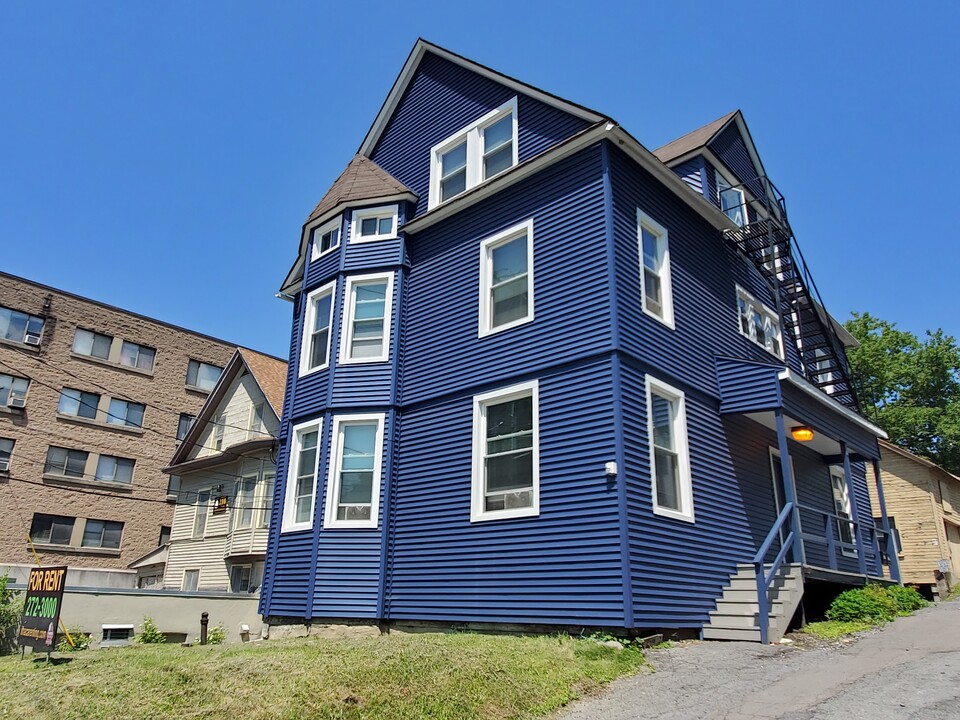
(266, 498)
(301, 490)
(655, 285)
(20, 327)
(255, 426)
(243, 505)
(474, 154)
(506, 279)
(379, 223)
(137, 356)
(732, 201)
(202, 376)
(841, 508)
(191, 580)
(201, 509)
(216, 435)
(366, 334)
(115, 469)
(759, 323)
(315, 345)
(353, 491)
(326, 238)
(92, 344)
(671, 486)
(124, 412)
(13, 391)
(78, 403)
(6, 450)
(506, 453)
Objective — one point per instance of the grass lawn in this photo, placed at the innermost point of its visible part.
(387, 677)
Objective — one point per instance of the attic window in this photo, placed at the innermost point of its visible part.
(475, 154)
(379, 223)
(732, 201)
(326, 238)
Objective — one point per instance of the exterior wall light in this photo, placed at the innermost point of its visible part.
(801, 433)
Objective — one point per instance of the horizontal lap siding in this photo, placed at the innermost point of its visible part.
(322, 270)
(442, 350)
(704, 274)
(561, 567)
(678, 568)
(371, 256)
(690, 172)
(442, 99)
(801, 406)
(745, 387)
(732, 151)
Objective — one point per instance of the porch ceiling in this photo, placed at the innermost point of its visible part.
(821, 443)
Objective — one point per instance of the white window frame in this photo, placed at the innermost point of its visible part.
(666, 284)
(346, 334)
(333, 479)
(685, 479)
(768, 313)
(320, 231)
(473, 135)
(309, 320)
(183, 579)
(478, 513)
(379, 213)
(837, 474)
(731, 188)
(13, 393)
(287, 522)
(201, 509)
(486, 277)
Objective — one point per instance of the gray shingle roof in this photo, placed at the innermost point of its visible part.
(692, 140)
(362, 179)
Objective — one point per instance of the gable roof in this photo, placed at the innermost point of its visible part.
(409, 70)
(362, 179)
(268, 372)
(886, 445)
(693, 140)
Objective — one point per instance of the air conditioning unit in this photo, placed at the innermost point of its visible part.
(17, 402)
(31, 339)
(4, 465)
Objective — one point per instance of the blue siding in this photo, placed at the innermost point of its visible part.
(560, 567)
(691, 171)
(798, 404)
(747, 387)
(732, 151)
(571, 317)
(442, 99)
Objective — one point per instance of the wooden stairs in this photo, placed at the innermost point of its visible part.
(737, 613)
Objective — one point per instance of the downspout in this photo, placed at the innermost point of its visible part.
(854, 509)
(789, 489)
(626, 577)
(891, 541)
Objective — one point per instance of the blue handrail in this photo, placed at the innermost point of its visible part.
(763, 578)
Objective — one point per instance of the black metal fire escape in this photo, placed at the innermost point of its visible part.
(767, 240)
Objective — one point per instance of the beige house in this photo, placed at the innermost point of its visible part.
(92, 399)
(224, 478)
(923, 502)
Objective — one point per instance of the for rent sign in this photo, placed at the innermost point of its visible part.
(41, 608)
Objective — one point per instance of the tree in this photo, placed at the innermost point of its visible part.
(911, 388)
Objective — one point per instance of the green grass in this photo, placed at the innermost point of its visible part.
(391, 677)
(832, 629)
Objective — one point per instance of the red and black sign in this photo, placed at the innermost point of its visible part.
(41, 608)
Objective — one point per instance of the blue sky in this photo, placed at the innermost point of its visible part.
(162, 157)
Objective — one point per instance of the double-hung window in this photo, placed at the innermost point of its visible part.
(78, 403)
(379, 223)
(671, 485)
(841, 506)
(202, 376)
(732, 201)
(65, 462)
(243, 505)
(474, 154)
(124, 412)
(301, 489)
(655, 286)
(326, 238)
(353, 490)
(201, 511)
(366, 334)
(315, 344)
(506, 279)
(92, 344)
(13, 391)
(506, 453)
(217, 432)
(20, 327)
(115, 469)
(759, 323)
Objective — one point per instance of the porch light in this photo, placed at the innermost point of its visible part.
(801, 433)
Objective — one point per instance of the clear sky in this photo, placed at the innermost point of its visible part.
(162, 157)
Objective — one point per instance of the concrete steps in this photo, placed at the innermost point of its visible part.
(738, 609)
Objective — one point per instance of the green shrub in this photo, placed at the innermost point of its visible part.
(216, 635)
(11, 607)
(907, 599)
(81, 641)
(149, 634)
(868, 604)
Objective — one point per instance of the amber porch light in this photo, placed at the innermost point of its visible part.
(801, 433)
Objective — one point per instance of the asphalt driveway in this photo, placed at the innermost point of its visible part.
(908, 669)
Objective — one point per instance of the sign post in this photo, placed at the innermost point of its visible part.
(41, 608)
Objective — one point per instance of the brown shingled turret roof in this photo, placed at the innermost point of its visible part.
(270, 374)
(692, 140)
(362, 179)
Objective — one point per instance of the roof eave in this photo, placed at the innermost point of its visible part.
(824, 399)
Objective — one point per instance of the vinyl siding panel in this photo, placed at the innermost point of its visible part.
(690, 171)
(798, 404)
(746, 387)
(732, 151)
(571, 314)
(560, 567)
(444, 98)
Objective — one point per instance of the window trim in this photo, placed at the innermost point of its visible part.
(309, 319)
(837, 473)
(685, 479)
(287, 522)
(346, 334)
(199, 388)
(378, 212)
(474, 161)
(770, 314)
(320, 231)
(477, 482)
(730, 187)
(26, 328)
(183, 579)
(203, 510)
(487, 247)
(14, 393)
(330, 520)
(666, 282)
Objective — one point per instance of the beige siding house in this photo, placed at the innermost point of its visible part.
(222, 479)
(923, 501)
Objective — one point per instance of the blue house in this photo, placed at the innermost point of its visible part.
(540, 375)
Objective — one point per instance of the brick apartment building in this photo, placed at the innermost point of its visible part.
(92, 401)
